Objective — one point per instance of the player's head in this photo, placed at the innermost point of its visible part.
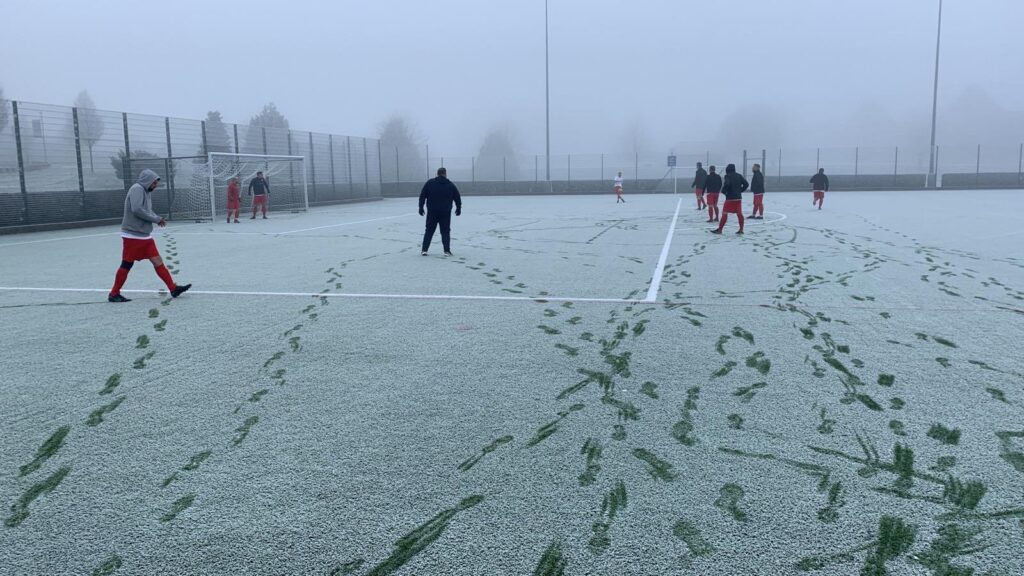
(442, 171)
(731, 168)
(699, 165)
(620, 173)
(711, 168)
(757, 167)
(149, 180)
(259, 173)
(821, 170)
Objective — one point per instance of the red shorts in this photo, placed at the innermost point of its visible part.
(138, 249)
(259, 199)
(617, 189)
(713, 198)
(732, 207)
(699, 191)
(818, 194)
(234, 204)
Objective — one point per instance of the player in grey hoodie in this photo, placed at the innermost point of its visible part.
(136, 237)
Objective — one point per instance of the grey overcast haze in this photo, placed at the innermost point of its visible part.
(653, 74)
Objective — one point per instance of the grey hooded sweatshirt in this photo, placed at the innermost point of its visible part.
(139, 217)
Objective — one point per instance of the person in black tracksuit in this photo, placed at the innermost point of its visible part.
(757, 187)
(733, 187)
(712, 186)
(819, 184)
(438, 194)
(698, 185)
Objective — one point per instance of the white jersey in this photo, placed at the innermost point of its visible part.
(618, 182)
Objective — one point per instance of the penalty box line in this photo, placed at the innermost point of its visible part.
(343, 295)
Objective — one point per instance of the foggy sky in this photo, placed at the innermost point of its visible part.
(676, 73)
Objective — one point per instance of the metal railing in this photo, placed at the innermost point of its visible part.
(60, 164)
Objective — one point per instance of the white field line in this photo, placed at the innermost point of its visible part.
(112, 233)
(344, 224)
(338, 295)
(652, 292)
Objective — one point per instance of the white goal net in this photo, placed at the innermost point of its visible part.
(205, 195)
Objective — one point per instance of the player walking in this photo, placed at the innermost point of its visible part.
(698, 185)
(438, 194)
(617, 187)
(234, 199)
(137, 237)
(712, 186)
(757, 187)
(259, 189)
(819, 184)
(733, 187)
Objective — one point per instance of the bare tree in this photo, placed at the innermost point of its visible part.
(90, 124)
(400, 145)
(497, 157)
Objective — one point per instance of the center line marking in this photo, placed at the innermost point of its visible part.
(652, 292)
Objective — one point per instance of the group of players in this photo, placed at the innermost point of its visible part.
(259, 189)
(710, 183)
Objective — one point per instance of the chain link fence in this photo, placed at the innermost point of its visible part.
(848, 168)
(65, 166)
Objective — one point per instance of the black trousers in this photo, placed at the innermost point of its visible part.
(435, 218)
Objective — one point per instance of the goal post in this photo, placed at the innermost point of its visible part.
(205, 198)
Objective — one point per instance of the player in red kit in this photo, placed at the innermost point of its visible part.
(712, 186)
(733, 187)
(234, 199)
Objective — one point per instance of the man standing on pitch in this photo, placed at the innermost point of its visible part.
(137, 237)
(617, 188)
(757, 187)
(438, 194)
(819, 183)
(732, 186)
(712, 185)
(259, 189)
(234, 199)
(698, 185)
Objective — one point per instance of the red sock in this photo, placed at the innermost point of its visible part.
(721, 223)
(739, 215)
(165, 275)
(119, 279)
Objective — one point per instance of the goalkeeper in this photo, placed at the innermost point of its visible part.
(259, 189)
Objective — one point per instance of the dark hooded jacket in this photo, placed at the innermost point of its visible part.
(734, 184)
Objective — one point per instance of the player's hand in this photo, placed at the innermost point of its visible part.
(162, 223)
(422, 212)
(458, 211)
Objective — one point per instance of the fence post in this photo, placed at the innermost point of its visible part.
(1020, 163)
(764, 160)
(504, 172)
(263, 131)
(21, 162)
(744, 162)
(380, 169)
(398, 168)
(170, 173)
(636, 170)
(856, 165)
(312, 165)
(330, 151)
(78, 156)
(127, 152)
(206, 148)
(472, 169)
(536, 174)
(428, 161)
(817, 160)
(235, 130)
(896, 165)
(366, 168)
(569, 166)
(780, 166)
(977, 167)
(602, 167)
(348, 158)
(936, 175)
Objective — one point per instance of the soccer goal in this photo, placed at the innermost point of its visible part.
(206, 196)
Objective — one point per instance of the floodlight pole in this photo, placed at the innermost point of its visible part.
(935, 99)
(547, 103)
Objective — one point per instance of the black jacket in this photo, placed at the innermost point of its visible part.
(757, 183)
(713, 183)
(819, 182)
(699, 178)
(733, 185)
(439, 193)
(259, 186)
